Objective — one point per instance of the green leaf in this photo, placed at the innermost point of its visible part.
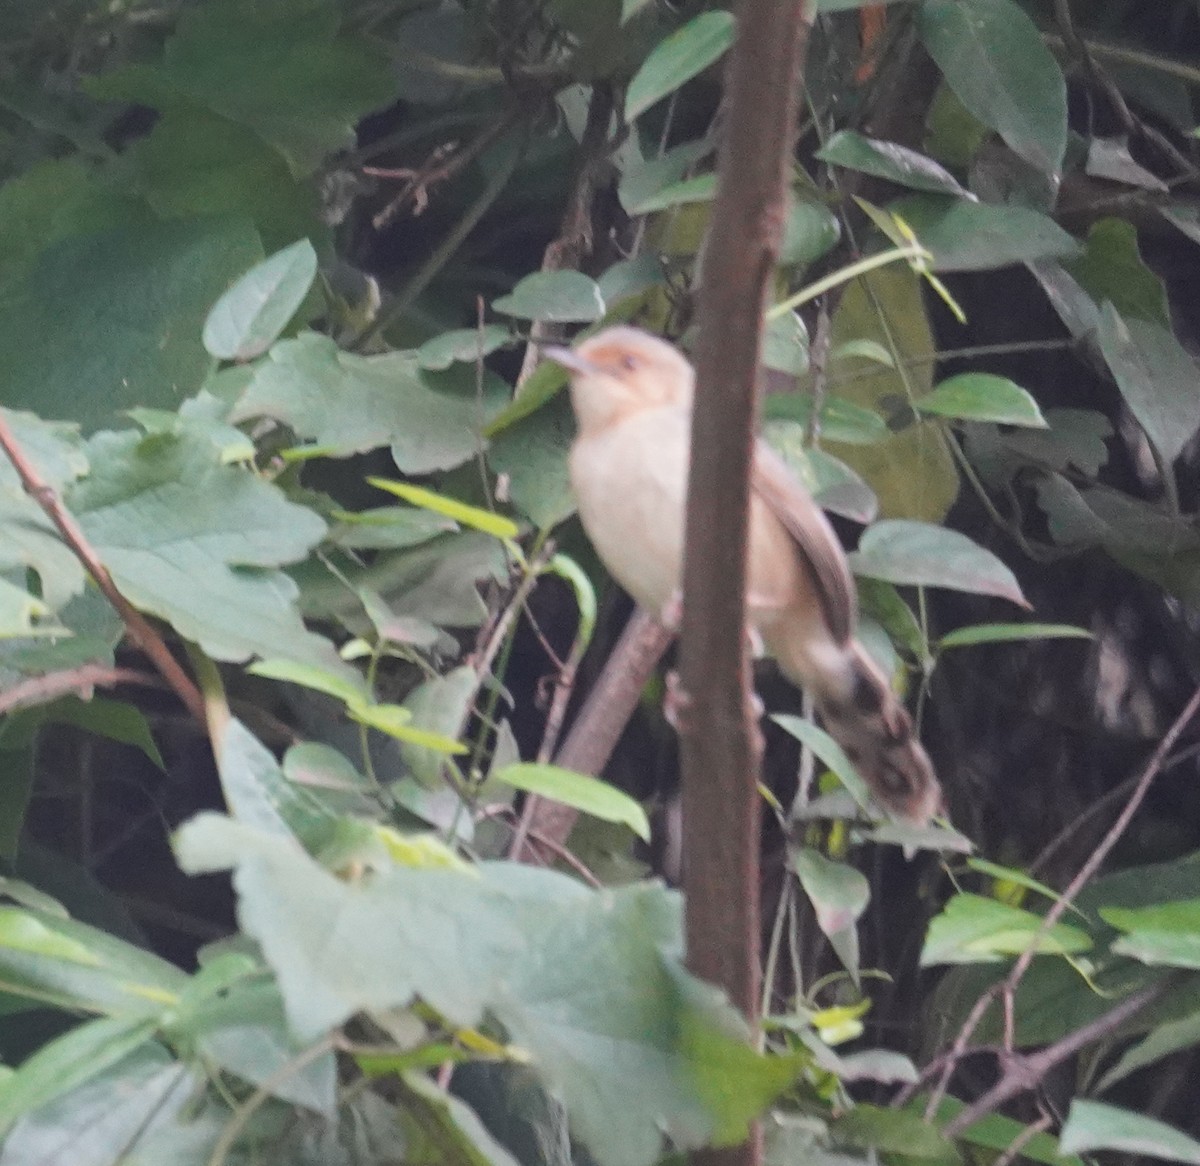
(645, 181)
(1111, 268)
(588, 794)
(1093, 1126)
(348, 688)
(1168, 1038)
(890, 161)
(677, 59)
(841, 420)
(1156, 377)
(196, 543)
(980, 396)
(974, 929)
(1006, 633)
(532, 452)
(107, 1118)
(439, 707)
(891, 1131)
(113, 719)
(839, 893)
(195, 163)
(462, 345)
(912, 472)
(438, 1127)
(559, 297)
(828, 751)
(810, 231)
(918, 554)
(249, 317)
(631, 1044)
(475, 517)
(350, 404)
(701, 188)
(394, 720)
(993, 57)
(69, 1061)
(129, 334)
(974, 236)
(387, 528)
(304, 97)
(1166, 934)
(785, 346)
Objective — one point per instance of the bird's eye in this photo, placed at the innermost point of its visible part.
(629, 362)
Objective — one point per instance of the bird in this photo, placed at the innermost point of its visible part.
(632, 393)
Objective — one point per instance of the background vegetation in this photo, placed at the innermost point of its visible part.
(285, 489)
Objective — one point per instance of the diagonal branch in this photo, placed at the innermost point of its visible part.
(140, 630)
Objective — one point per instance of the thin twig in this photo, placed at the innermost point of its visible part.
(140, 630)
(1007, 987)
(1022, 1073)
(81, 681)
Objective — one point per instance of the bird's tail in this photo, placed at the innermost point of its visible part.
(866, 718)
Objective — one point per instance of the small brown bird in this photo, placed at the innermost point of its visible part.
(632, 395)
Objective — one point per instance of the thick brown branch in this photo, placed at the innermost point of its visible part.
(81, 681)
(721, 745)
(139, 628)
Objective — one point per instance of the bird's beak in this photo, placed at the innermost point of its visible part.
(569, 359)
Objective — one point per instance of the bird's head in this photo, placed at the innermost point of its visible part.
(620, 371)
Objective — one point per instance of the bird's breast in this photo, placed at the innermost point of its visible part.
(630, 484)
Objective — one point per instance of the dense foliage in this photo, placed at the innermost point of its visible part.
(268, 274)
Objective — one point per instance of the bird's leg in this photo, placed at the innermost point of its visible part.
(671, 616)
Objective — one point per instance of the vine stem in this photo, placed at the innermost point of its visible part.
(140, 630)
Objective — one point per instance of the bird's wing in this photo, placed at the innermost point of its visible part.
(805, 521)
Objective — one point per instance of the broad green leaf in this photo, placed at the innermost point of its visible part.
(588, 794)
(1093, 1126)
(561, 297)
(677, 59)
(891, 1131)
(239, 1024)
(1009, 875)
(1186, 218)
(113, 719)
(841, 420)
(980, 396)
(993, 57)
(828, 752)
(532, 452)
(19, 612)
(998, 1133)
(73, 966)
(69, 1061)
(810, 231)
(250, 316)
(350, 404)
(1110, 159)
(394, 720)
(462, 345)
(194, 163)
(918, 554)
(974, 929)
(1006, 633)
(1156, 377)
(889, 160)
(475, 517)
(1077, 310)
(442, 708)
(912, 472)
(1076, 437)
(1164, 934)
(304, 97)
(631, 277)
(644, 181)
(785, 346)
(829, 480)
(701, 188)
(631, 1044)
(21, 931)
(197, 543)
(387, 528)
(1111, 268)
(1171, 1037)
(839, 893)
(545, 383)
(349, 689)
(975, 236)
(103, 1120)
(129, 334)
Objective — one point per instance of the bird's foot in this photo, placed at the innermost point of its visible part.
(677, 704)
